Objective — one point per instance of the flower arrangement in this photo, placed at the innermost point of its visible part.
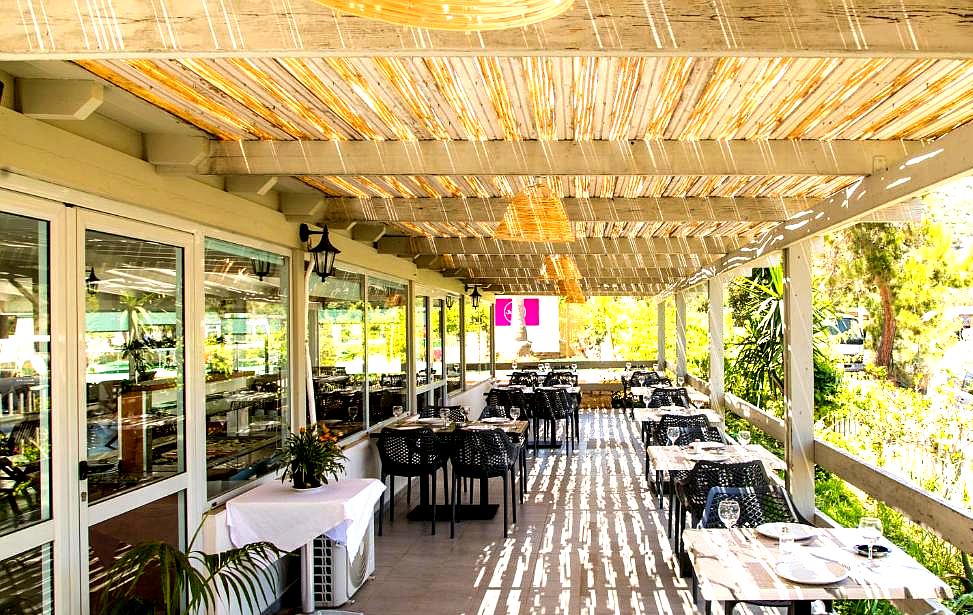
(311, 456)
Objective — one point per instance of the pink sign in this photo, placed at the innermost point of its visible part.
(503, 312)
(532, 312)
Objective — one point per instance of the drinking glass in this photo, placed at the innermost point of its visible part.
(515, 413)
(397, 411)
(680, 381)
(743, 438)
(628, 366)
(673, 434)
(729, 512)
(646, 399)
(513, 366)
(785, 546)
(574, 367)
(655, 367)
(871, 530)
(444, 415)
(352, 413)
(466, 414)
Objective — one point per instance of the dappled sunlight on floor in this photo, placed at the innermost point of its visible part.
(589, 540)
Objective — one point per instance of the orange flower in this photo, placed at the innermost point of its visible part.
(303, 429)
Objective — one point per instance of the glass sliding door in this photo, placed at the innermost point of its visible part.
(27, 448)
(453, 351)
(386, 317)
(246, 348)
(421, 340)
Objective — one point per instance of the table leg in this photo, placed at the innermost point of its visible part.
(484, 492)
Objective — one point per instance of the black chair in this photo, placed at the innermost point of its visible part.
(692, 428)
(484, 454)
(654, 378)
(670, 396)
(559, 377)
(410, 453)
(546, 411)
(453, 413)
(527, 379)
(567, 405)
(15, 481)
(493, 411)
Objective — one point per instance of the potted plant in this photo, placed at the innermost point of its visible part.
(186, 581)
(311, 456)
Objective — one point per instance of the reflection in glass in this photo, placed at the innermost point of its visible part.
(336, 338)
(454, 378)
(247, 390)
(161, 520)
(387, 333)
(135, 363)
(436, 341)
(477, 342)
(25, 373)
(27, 582)
(421, 341)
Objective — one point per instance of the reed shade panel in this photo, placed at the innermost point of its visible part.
(535, 214)
(570, 289)
(560, 267)
(461, 15)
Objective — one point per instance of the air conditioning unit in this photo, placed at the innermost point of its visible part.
(338, 574)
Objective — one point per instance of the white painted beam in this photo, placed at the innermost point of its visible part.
(716, 349)
(662, 275)
(784, 157)
(593, 280)
(427, 261)
(59, 99)
(681, 334)
(176, 154)
(252, 28)
(683, 264)
(799, 376)
(412, 246)
(945, 159)
(368, 233)
(661, 334)
(255, 184)
(301, 207)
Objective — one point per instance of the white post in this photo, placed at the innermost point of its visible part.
(661, 337)
(680, 334)
(799, 376)
(716, 384)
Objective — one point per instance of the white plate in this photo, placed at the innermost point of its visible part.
(479, 428)
(494, 419)
(799, 531)
(432, 420)
(812, 571)
(712, 446)
(410, 427)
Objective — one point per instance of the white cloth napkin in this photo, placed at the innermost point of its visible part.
(289, 519)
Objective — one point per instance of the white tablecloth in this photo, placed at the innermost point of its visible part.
(290, 519)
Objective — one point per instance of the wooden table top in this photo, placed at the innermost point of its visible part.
(679, 458)
(518, 428)
(739, 564)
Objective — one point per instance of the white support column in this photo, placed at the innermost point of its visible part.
(661, 337)
(799, 376)
(680, 334)
(716, 384)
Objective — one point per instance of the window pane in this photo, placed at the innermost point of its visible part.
(436, 341)
(336, 332)
(246, 349)
(134, 345)
(453, 373)
(387, 332)
(478, 327)
(25, 373)
(27, 582)
(422, 368)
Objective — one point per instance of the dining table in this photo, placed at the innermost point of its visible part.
(553, 442)
(744, 564)
(649, 417)
(483, 509)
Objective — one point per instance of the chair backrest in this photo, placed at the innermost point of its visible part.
(561, 377)
(408, 450)
(691, 426)
(670, 396)
(527, 379)
(508, 398)
(482, 452)
(494, 411)
(708, 474)
(392, 380)
(23, 433)
(546, 405)
(757, 506)
(453, 413)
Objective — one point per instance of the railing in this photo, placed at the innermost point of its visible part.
(953, 524)
(582, 364)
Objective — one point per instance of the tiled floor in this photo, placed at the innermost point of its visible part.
(589, 540)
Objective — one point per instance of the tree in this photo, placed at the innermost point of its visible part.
(878, 249)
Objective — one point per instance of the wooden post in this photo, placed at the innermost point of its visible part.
(661, 337)
(799, 376)
(680, 334)
(716, 385)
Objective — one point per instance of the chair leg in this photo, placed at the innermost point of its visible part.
(381, 506)
(452, 518)
(408, 493)
(505, 485)
(432, 479)
(392, 499)
(445, 483)
(513, 497)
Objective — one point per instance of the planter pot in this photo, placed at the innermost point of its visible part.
(301, 484)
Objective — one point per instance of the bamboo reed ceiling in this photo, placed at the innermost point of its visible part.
(583, 98)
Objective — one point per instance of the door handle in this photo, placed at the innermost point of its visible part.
(83, 470)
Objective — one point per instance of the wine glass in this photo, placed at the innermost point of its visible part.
(628, 366)
(729, 512)
(785, 544)
(871, 530)
(444, 415)
(743, 438)
(673, 434)
(352, 413)
(515, 413)
(680, 380)
(574, 367)
(398, 411)
(466, 413)
(513, 366)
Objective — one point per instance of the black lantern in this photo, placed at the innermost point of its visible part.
(261, 268)
(91, 282)
(323, 254)
(449, 301)
(474, 296)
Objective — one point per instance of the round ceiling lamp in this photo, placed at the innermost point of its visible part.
(461, 15)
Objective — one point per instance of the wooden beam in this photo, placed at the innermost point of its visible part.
(799, 376)
(811, 28)
(552, 284)
(661, 274)
(59, 99)
(681, 334)
(528, 158)
(716, 348)
(661, 333)
(260, 185)
(645, 209)
(679, 264)
(947, 158)
(620, 290)
(426, 261)
(176, 154)
(411, 246)
(301, 207)
(368, 233)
